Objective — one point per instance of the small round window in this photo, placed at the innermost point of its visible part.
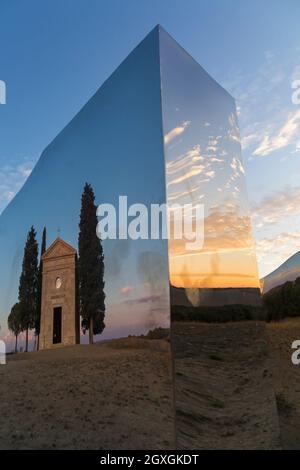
(58, 283)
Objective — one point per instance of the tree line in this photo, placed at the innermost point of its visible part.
(283, 301)
(25, 315)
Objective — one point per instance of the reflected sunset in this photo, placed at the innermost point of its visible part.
(204, 166)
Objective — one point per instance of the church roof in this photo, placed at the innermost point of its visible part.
(59, 248)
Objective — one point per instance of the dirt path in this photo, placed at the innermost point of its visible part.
(224, 390)
(88, 397)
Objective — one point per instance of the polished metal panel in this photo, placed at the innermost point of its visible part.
(204, 166)
(115, 143)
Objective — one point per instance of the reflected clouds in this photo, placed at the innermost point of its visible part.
(176, 132)
(205, 166)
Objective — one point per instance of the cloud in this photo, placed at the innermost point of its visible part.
(270, 126)
(233, 132)
(280, 138)
(277, 206)
(196, 170)
(126, 290)
(179, 195)
(225, 229)
(193, 163)
(296, 73)
(190, 157)
(25, 170)
(273, 243)
(237, 167)
(266, 110)
(176, 132)
(149, 299)
(273, 251)
(247, 140)
(273, 220)
(8, 195)
(12, 179)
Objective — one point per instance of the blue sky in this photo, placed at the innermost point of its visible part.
(55, 54)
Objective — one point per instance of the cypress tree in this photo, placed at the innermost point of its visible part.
(14, 323)
(91, 267)
(28, 284)
(37, 321)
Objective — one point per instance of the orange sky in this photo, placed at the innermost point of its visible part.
(230, 268)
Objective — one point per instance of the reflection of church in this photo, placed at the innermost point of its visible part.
(59, 319)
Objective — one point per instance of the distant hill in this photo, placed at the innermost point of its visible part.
(287, 271)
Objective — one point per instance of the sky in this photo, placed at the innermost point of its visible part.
(55, 55)
(202, 151)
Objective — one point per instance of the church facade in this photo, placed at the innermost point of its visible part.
(59, 318)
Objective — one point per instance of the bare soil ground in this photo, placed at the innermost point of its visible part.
(286, 379)
(117, 395)
(224, 390)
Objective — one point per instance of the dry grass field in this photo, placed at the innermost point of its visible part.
(116, 395)
(235, 388)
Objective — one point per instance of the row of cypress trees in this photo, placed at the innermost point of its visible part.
(26, 314)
